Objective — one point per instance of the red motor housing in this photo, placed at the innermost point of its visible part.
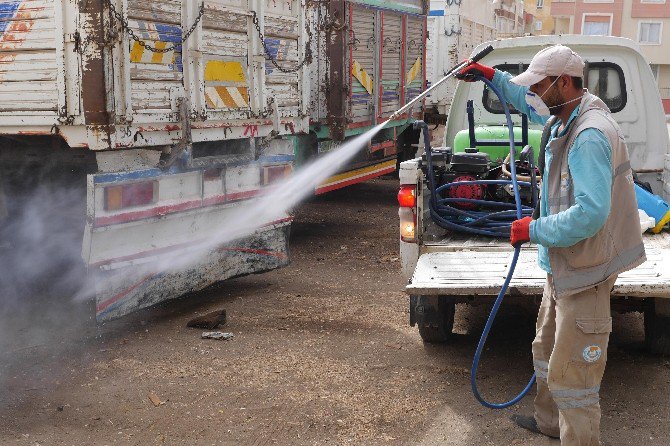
(466, 191)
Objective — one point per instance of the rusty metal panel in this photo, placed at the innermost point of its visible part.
(28, 56)
(153, 75)
(282, 38)
(362, 64)
(319, 73)
(391, 63)
(63, 58)
(415, 57)
(225, 70)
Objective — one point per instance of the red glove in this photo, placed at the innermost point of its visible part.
(520, 233)
(468, 73)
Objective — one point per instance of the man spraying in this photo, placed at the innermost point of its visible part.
(588, 232)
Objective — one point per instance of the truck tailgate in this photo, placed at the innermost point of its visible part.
(480, 269)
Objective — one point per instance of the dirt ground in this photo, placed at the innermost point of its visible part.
(322, 355)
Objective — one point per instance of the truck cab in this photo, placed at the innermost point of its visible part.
(444, 268)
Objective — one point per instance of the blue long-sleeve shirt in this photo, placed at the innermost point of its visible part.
(590, 163)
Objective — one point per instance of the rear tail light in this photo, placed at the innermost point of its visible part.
(407, 225)
(407, 212)
(272, 174)
(407, 196)
(129, 195)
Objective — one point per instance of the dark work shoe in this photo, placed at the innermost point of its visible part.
(530, 424)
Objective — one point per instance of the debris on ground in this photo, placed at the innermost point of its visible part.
(219, 335)
(155, 400)
(209, 321)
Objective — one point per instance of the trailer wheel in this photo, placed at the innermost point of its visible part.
(434, 316)
(657, 327)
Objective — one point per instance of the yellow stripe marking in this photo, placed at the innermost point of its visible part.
(358, 172)
(136, 52)
(139, 54)
(227, 97)
(224, 71)
(158, 57)
(414, 71)
(362, 76)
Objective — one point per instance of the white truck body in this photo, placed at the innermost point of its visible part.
(215, 108)
(455, 29)
(464, 268)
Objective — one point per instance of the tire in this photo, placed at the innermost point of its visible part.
(435, 318)
(656, 331)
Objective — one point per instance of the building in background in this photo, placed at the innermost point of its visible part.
(509, 17)
(537, 17)
(642, 21)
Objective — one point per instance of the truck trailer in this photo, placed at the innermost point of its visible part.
(370, 60)
(158, 121)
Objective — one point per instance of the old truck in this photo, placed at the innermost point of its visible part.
(445, 268)
(370, 60)
(132, 130)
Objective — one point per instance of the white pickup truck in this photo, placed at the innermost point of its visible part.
(444, 268)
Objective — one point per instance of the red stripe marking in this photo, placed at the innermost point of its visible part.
(331, 187)
(158, 251)
(161, 211)
(104, 305)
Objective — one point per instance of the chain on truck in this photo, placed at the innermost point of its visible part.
(445, 265)
(162, 121)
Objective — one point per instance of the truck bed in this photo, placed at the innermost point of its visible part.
(461, 265)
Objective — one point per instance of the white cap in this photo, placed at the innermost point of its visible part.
(552, 61)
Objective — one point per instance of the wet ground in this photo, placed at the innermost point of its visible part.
(322, 354)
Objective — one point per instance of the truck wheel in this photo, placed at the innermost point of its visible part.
(657, 327)
(435, 317)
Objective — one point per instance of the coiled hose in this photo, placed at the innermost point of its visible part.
(491, 223)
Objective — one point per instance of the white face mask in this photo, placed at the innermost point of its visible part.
(537, 104)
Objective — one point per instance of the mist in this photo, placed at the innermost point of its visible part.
(45, 291)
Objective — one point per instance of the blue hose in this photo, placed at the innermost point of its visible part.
(497, 224)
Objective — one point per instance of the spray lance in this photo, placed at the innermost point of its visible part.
(451, 73)
(496, 223)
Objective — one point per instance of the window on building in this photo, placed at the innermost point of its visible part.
(596, 25)
(650, 32)
(540, 3)
(655, 70)
(538, 25)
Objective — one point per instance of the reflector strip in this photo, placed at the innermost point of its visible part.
(227, 97)
(362, 76)
(414, 71)
(356, 176)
